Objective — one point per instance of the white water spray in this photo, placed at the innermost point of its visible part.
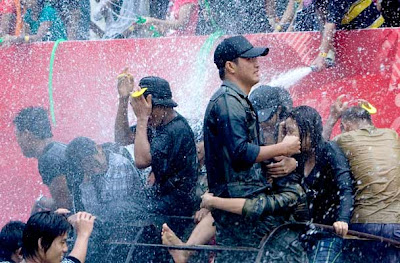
(289, 78)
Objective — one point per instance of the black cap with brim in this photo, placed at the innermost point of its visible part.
(160, 91)
(170, 103)
(235, 47)
(266, 114)
(255, 52)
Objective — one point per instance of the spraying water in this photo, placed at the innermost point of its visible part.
(288, 79)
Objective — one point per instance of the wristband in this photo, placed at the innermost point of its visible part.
(278, 27)
(26, 38)
(323, 54)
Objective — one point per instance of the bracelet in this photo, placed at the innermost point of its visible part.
(26, 38)
(323, 54)
(278, 27)
(131, 28)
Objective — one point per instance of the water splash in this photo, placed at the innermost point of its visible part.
(289, 78)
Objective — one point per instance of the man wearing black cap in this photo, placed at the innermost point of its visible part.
(231, 139)
(163, 140)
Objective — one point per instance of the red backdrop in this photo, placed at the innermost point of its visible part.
(85, 96)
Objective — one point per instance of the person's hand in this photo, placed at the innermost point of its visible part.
(142, 107)
(199, 215)
(338, 107)
(341, 228)
(206, 201)
(283, 167)
(319, 63)
(83, 223)
(291, 144)
(125, 84)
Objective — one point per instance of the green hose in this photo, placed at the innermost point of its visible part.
(51, 68)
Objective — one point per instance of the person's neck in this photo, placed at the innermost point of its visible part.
(32, 260)
(364, 124)
(169, 115)
(241, 85)
(41, 145)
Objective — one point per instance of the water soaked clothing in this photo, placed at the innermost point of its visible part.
(174, 163)
(118, 194)
(52, 162)
(70, 259)
(351, 14)
(374, 156)
(47, 14)
(329, 186)
(329, 189)
(376, 251)
(231, 142)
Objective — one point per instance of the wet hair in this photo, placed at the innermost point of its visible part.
(10, 239)
(78, 149)
(46, 226)
(356, 114)
(34, 120)
(310, 123)
(221, 71)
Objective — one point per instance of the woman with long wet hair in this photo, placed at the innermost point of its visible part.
(327, 180)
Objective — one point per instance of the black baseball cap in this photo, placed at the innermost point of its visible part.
(266, 101)
(235, 47)
(160, 91)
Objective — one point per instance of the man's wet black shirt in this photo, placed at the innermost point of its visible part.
(231, 142)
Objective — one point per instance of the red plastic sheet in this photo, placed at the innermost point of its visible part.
(85, 95)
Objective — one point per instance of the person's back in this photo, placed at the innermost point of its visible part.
(374, 156)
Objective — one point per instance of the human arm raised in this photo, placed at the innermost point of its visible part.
(122, 132)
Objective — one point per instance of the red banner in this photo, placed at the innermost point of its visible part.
(85, 96)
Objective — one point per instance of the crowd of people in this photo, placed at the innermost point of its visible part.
(255, 163)
(24, 21)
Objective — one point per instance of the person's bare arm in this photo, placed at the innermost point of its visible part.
(83, 223)
(232, 205)
(271, 14)
(163, 26)
(328, 36)
(336, 110)
(73, 24)
(60, 193)
(5, 20)
(42, 31)
(288, 15)
(289, 146)
(142, 108)
(122, 132)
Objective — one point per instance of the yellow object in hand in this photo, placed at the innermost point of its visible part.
(138, 93)
(368, 107)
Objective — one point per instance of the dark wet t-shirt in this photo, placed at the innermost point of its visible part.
(52, 163)
(174, 163)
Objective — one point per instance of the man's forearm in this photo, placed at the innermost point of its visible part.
(142, 145)
(80, 247)
(327, 37)
(328, 127)
(271, 151)
(123, 134)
